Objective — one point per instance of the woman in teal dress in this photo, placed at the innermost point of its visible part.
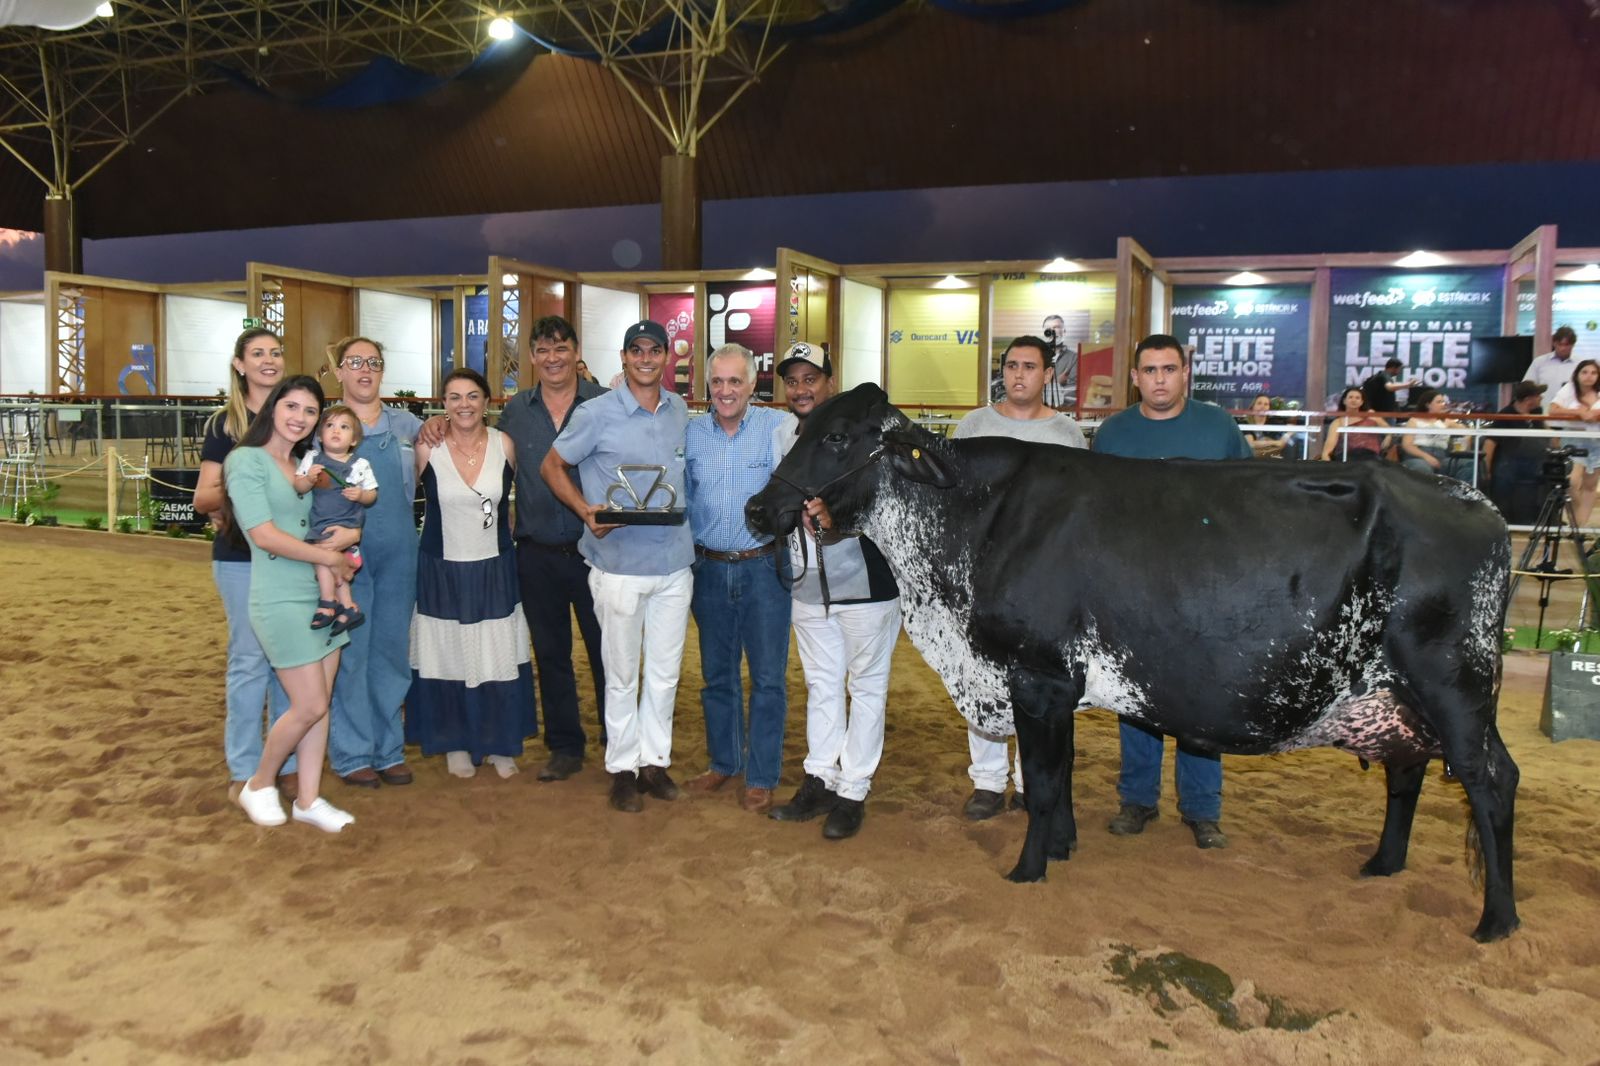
(283, 591)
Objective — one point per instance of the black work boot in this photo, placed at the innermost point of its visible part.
(1207, 834)
(1132, 819)
(811, 799)
(844, 820)
(983, 804)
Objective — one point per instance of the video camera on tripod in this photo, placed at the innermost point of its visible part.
(1557, 464)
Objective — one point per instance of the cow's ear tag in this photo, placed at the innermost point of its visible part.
(916, 453)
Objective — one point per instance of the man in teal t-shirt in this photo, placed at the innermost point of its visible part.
(1167, 424)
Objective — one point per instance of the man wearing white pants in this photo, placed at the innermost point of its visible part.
(846, 617)
(640, 575)
(1026, 367)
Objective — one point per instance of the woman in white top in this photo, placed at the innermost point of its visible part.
(1577, 405)
(1429, 452)
(471, 695)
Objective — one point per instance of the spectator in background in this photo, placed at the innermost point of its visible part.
(1429, 452)
(1380, 388)
(1554, 368)
(1513, 464)
(1354, 413)
(1578, 405)
(1265, 445)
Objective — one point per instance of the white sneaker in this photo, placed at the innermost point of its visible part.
(261, 804)
(504, 765)
(459, 763)
(324, 815)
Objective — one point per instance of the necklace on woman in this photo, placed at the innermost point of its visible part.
(473, 455)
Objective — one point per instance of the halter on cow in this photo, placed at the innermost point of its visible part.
(1246, 607)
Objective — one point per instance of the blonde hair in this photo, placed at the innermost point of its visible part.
(234, 415)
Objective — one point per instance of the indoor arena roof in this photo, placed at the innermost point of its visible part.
(865, 95)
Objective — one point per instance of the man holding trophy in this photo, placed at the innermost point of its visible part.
(628, 446)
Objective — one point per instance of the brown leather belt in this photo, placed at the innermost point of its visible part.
(736, 557)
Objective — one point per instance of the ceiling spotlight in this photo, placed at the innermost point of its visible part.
(1059, 265)
(1245, 277)
(502, 28)
(950, 281)
(1589, 272)
(104, 10)
(1421, 259)
(759, 274)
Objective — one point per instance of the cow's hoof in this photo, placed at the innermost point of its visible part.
(1062, 854)
(1377, 866)
(1492, 929)
(1022, 875)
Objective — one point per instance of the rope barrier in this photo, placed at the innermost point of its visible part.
(71, 473)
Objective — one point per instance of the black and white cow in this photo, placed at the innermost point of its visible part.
(1247, 607)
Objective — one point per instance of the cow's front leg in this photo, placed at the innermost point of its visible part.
(1043, 707)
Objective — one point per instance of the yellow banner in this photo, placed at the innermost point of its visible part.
(933, 348)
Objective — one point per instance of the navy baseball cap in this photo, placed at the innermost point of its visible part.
(654, 330)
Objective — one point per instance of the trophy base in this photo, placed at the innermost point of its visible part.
(673, 517)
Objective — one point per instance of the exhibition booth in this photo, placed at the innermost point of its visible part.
(140, 366)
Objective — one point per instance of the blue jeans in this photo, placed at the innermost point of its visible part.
(1199, 775)
(365, 729)
(251, 680)
(741, 607)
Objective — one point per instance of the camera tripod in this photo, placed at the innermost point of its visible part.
(1557, 521)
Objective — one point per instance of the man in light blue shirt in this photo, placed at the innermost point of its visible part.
(639, 574)
(741, 588)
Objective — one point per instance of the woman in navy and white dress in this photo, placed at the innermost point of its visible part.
(471, 681)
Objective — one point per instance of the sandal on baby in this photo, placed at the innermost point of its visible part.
(347, 619)
(323, 621)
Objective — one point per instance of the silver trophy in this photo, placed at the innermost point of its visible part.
(626, 506)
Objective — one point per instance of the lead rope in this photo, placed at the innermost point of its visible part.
(810, 494)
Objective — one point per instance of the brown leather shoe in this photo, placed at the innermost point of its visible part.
(398, 774)
(654, 781)
(756, 800)
(708, 782)
(625, 793)
(366, 777)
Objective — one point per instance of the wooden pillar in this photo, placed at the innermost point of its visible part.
(63, 251)
(680, 214)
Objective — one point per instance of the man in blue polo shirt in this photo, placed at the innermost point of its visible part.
(639, 574)
(741, 588)
(1167, 424)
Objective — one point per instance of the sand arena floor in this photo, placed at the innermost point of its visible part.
(143, 919)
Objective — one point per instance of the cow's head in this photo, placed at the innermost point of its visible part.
(840, 448)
